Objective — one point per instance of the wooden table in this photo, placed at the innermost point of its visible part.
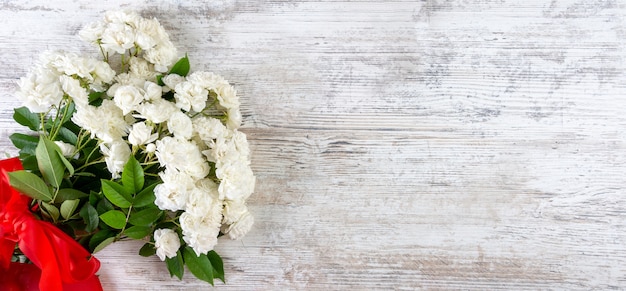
(473, 145)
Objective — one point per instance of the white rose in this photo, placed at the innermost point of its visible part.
(172, 80)
(234, 118)
(237, 181)
(141, 69)
(116, 154)
(162, 55)
(172, 194)
(122, 16)
(153, 91)
(66, 149)
(180, 125)
(103, 72)
(166, 242)
(117, 38)
(200, 232)
(208, 128)
(207, 80)
(40, 90)
(92, 32)
(156, 111)
(200, 202)
(73, 89)
(182, 155)
(150, 33)
(233, 211)
(128, 98)
(140, 134)
(227, 96)
(190, 97)
(105, 122)
(239, 229)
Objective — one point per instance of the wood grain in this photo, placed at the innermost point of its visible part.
(470, 145)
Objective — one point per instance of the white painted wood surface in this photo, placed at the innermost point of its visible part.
(474, 145)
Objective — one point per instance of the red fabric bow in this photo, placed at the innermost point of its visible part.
(62, 263)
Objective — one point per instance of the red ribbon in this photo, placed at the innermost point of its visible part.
(61, 262)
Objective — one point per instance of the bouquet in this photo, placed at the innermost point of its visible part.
(131, 145)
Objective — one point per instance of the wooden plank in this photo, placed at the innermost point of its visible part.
(471, 145)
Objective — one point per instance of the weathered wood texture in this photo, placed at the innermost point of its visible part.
(473, 145)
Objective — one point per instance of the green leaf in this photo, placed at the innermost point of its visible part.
(26, 118)
(159, 80)
(145, 197)
(65, 162)
(70, 111)
(68, 207)
(95, 98)
(69, 194)
(68, 136)
(176, 266)
(90, 216)
(99, 237)
(116, 193)
(218, 265)
(138, 232)
(147, 250)
(181, 67)
(104, 206)
(50, 165)
(199, 266)
(30, 162)
(114, 218)
(103, 244)
(51, 210)
(132, 176)
(145, 217)
(31, 185)
(26, 143)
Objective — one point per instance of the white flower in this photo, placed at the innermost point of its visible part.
(153, 91)
(163, 55)
(150, 148)
(166, 242)
(105, 122)
(66, 149)
(141, 69)
(200, 232)
(116, 154)
(227, 96)
(234, 118)
(233, 211)
(238, 229)
(103, 73)
(202, 198)
(172, 80)
(237, 181)
(207, 80)
(172, 194)
(150, 33)
(40, 90)
(128, 98)
(180, 125)
(241, 144)
(122, 17)
(208, 128)
(117, 38)
(182, 155)
(92, 32)
(73, 89)
(140, 134)
(190, 96)
(156, 111)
